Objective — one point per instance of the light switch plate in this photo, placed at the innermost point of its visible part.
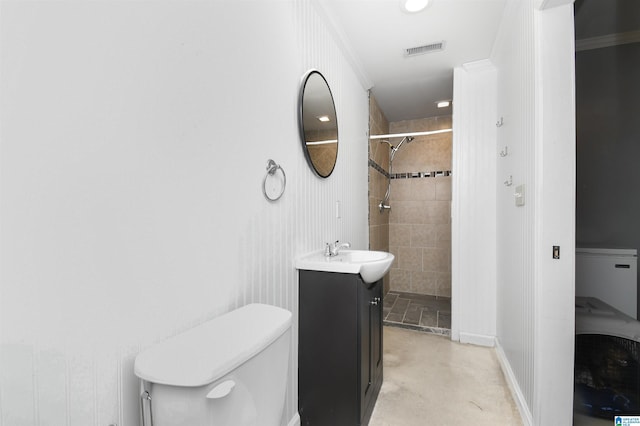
(519, 194)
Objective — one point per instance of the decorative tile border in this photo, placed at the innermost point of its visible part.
(379, 168)
(410, 175)
(413, 175)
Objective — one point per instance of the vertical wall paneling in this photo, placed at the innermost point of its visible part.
(474, 204)
(133, 210)
(513, 56)
(555, 215)
(534, 55)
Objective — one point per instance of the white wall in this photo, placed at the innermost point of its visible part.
(134, 141)
(534, 58)
(555, 215)
(473, 299)
(514, 57)
(505, 282)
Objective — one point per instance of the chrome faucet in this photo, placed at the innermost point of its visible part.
(331, 250)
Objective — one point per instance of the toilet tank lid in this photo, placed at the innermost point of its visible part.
(205, 353)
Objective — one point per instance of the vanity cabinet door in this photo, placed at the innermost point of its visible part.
(366, 309)
(370, 348)
(376, 333)
(339, 349)
(328, 363)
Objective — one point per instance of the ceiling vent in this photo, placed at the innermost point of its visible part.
(427, 48)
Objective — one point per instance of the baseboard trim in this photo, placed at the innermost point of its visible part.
(477, 339)
(295, 420)
(516, 392)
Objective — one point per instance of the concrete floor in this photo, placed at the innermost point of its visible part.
(430, 380)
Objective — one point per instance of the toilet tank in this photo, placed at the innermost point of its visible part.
(609, 275)
(231, 370)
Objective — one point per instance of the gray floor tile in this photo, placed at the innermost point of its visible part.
(429, 318)
(400, 306)
(412, 315)
(430, 314)
(444, 319)
(389, 300)
(395, 317)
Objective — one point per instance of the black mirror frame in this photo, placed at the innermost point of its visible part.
(305, 79)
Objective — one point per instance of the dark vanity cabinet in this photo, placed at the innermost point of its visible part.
(340, 348)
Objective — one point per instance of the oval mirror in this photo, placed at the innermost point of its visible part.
(318, 124)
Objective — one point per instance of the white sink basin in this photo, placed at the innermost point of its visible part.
(371, 265)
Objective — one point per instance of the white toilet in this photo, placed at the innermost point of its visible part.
(231, 370)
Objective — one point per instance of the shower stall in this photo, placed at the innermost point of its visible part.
(410, 216)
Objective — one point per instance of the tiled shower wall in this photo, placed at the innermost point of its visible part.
(420, 218)
(378, 162)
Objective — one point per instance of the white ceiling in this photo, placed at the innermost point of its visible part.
(379, 31)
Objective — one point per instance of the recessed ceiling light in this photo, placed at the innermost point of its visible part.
(443, 104)
(323, 118)
(414, 6)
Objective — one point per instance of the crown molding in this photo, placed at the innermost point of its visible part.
(479, 66)
(548, 4)
(343, 43)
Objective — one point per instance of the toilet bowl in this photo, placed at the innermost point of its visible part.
(231, 370)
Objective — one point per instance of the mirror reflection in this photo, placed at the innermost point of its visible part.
(318, 124)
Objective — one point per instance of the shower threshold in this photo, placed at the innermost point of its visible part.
(430, 314)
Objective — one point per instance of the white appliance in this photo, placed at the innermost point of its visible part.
(609, 275)
(607, 352)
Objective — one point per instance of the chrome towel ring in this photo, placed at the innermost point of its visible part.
(273, 193)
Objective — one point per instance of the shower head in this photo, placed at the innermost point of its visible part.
(406, 139)
(395, 149)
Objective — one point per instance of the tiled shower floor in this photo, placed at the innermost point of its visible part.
(418, 312)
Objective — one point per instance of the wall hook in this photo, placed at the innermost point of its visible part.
(500, 123)
(504, 152)
(509, 181)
